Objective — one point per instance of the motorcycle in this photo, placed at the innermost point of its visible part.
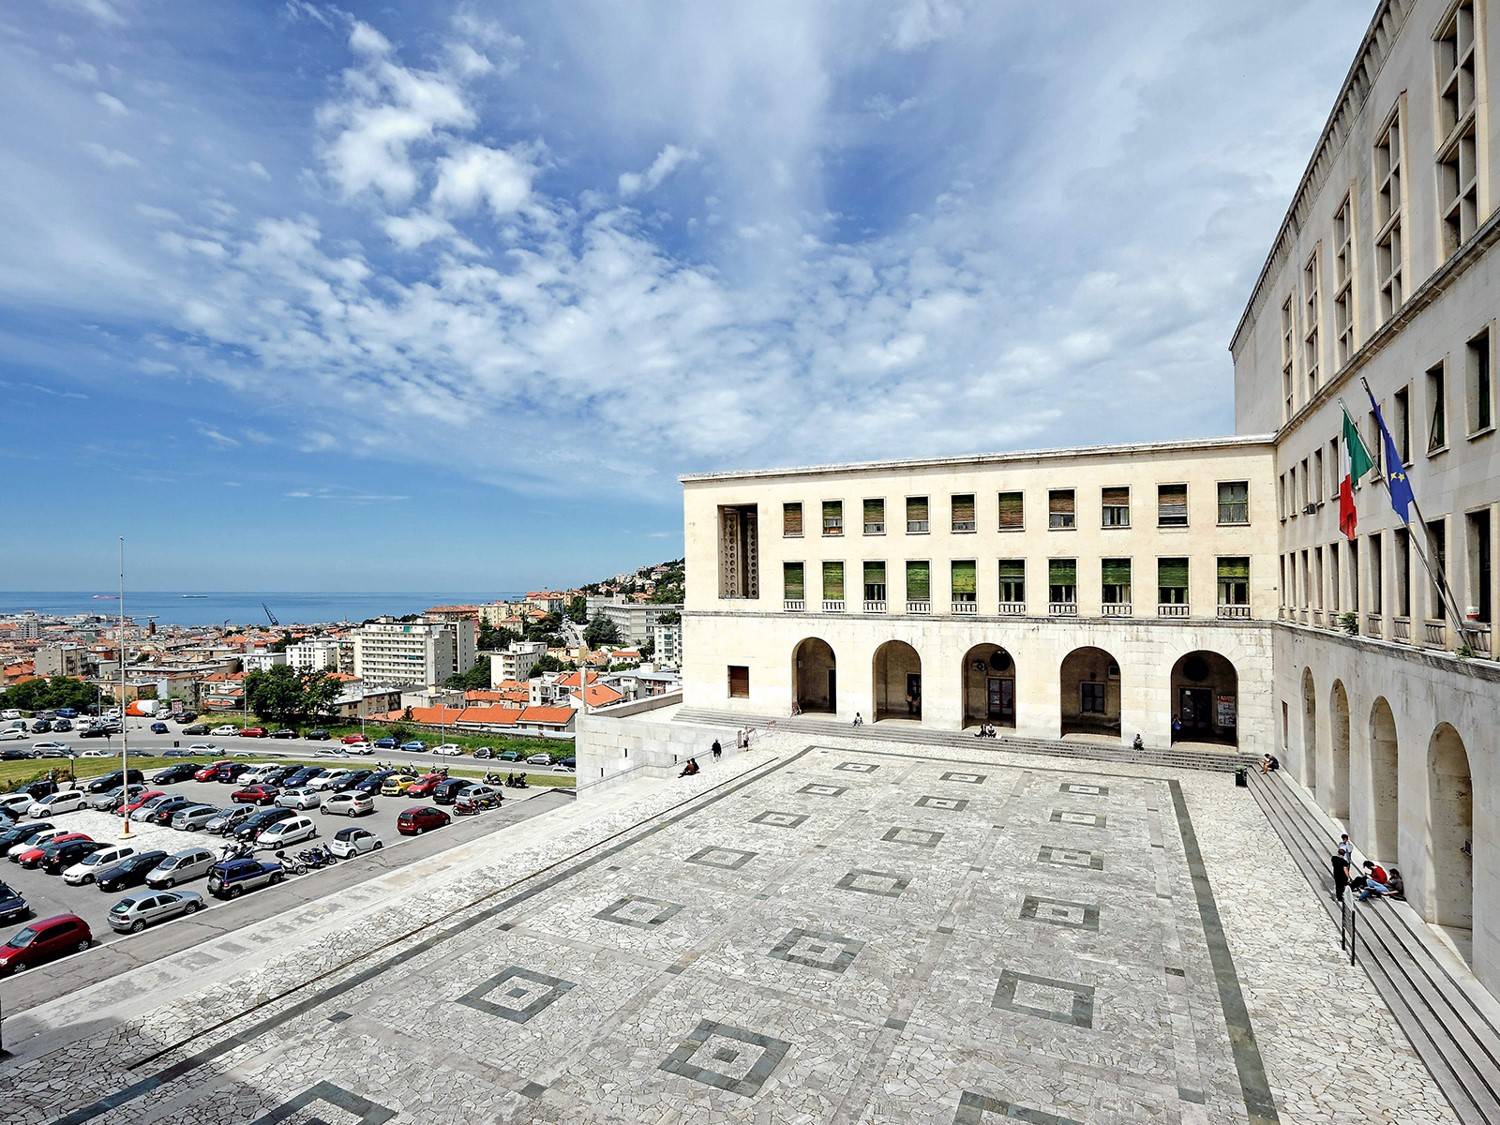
(237, 851)
(517, 781)
(291, 866)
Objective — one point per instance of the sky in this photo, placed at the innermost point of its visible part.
(446, 295)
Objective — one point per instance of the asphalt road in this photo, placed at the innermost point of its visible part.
(48, 894)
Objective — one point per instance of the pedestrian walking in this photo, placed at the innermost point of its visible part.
(1346, 849)
(717, 750)
(1340, 875)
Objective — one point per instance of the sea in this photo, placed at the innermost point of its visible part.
(204, 607)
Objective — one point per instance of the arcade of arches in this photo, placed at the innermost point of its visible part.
(1090, 685)
(1205, 699)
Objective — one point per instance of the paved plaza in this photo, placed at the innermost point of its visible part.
(863, 933)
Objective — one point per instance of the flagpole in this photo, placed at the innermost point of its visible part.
(1438, 578)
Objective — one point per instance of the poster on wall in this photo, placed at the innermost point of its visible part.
(1226, 710)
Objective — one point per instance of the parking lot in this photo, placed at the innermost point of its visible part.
(48, 894)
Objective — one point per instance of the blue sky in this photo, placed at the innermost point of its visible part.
(445, 295)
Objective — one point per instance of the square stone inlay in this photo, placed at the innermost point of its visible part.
(948, 804)
(1070, 857)
(833, 952)
(527, 995)
(1082, 819)
(730, 859)
(737, 1070)
(964, 778)
(779, 819)
(1082, 790)
(1060, 912)
(1061, 1001)
(886, 884)
(639, 911)
(817, 790)
(918, 837)
(351, 1105)
(856, 767)
(981, 1109)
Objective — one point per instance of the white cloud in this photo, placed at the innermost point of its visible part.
(344, 495)
(103, 11)
(474, 174)
(111, 158)
(921, 22)
(78, 70)
(417, 229)
(218, 437)
(258, 170)
(111, 103)
(365, 40)
(667, 161)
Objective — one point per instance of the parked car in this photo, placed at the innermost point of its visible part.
(35, 855)
(347, 804)
(298, 778)
(484, 752)
(67, 800)
(485, 796)
(350, 780)
(419, 819)
(43, 941)
(510, 755)
(130, 872)
(107, 801)
(186, 716)
(424, 785)
(396, 784)
(300, 798)
(61, 726)
(210, 771)
(134, 913)
(39, 789)
(349, 842)
(15, 754)
(415, 746)
(180, 867)
(284, 732)
(258, 821)
(539, 760)
(568, 764)
(317, 734)
(285, 833)
(182, 771)
(67, 713)
(203, 748)
(141, 799)
(50, 750)
(448, 749)
(160, 728)
(375, 781)
(229, 773)
(194, 817)
(334, 752)
(278, 776)
(86, 732)
(233, 877)
(63, 859)
(252, 732)
(386, 743)
(229, 820)
(17, 803)
(255, 795)
(195, 728)
(13, 905)
(327, 781)
(17, 835)
(85, 868)
(353, 739)
(225, 730)
(41, 726)
(12, 735)
(113, 780)
(163, 812)
(446, 792)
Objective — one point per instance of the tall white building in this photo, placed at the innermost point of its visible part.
(423, 652)
(314, 654)
(515, 662)
(263, 661)
(666, 639)
(635, 620)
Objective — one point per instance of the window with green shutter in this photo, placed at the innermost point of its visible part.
(1061, 513)
(963, 513)
(833, 582)
(1013, 581)
(874, 581)
(792, 581)
(1062, 580)
(833, 517)
(1234, 580)
(1012, 511)
(1114, 575)
(918, 582)
(1172, 581)
(965, 581)
(791, 520)
(916, 515)
(874, 517)
(1115, 507)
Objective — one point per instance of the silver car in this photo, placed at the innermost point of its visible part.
(181, 867)
(134, 913)
(195, 817)
(300, 799)
(109, 798)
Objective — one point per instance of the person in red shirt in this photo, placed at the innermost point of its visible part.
(1374, 881)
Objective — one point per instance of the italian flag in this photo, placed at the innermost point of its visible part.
(1357, 463)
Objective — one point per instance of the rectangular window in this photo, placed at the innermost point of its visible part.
(1377, 575)
(1062, 580)
(1401, 424)
(1293, 505)
(1091, 697)
(1373, 445)
(1343, 281)
(739, 551)
(1281, 497)
(963, 513)
(1013, 581)
(1171, 505)
(1437, 409)
(1457, 150)
(1479, 605)
(1334, 599)
(1307, 579)
(1437, 557)
(1012, 512)
(739, 681)
(1389, 198)
(874, 581)
(1353, 551)
(1234, 580)
(1335, 469)
(1317, 578)
(1288, 358)
(1312, 311)
(833, 517)
(874, 517)
(1234, 501)
(833, 581)
(965, 581)
(791, 521)
(1481, 392)
(1060, 512)
(793, 581)
(1401, 551)
(1172, 581)
(1114, 578)
(916, 515)
(918, 582)
(1315, 478)
(1115, 504)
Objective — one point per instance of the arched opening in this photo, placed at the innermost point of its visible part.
(1450, 834)
(1385, 794)
(898, 682)
(1090, 698)
(1205, 699)
(989, 679)
(1309, 732)
(815, 676)
(1338, 738)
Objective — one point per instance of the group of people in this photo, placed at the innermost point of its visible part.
(692, 767)
(987, 730)
(1373, 879)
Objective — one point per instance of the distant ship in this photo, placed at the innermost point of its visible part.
(195, 595)
(106, 597)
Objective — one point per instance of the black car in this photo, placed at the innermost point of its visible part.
(46, 851)
(12, 906)
(164, 812)
(278, 777)
(229, 772)
(129, 872)
(61, 726)
(41, 726)
(66, 855)
(298, 778)
(351, 781)
(284, 732)
(38, 789)
(107, 781)
(15, 753)
(187, 716)
(258, 821)
(447, 792)
(92, 732)
(195, 728)
(317, 734)
(182, 771)
(23, 833)
(374, 782)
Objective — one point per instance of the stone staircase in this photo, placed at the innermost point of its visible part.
(1451, 1024)
(1053, 748)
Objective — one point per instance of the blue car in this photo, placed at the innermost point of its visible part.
(159, 728)
(385, 743)
(416, 746)
(12, 905)
(234, 877)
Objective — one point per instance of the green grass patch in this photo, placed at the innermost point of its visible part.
(556, 748)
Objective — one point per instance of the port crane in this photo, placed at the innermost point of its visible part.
(269, 615)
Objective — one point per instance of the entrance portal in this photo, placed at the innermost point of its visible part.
(814, 676)
(1205, 699)
(1090, 699)
(897, 684)
(989, 679)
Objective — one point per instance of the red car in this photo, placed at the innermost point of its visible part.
(141, 799)
(33, 856)
(253, 732)
(43, 940)
(415, 821)
(255, 795)
(425, 784)
(354, 740)
(207, 772)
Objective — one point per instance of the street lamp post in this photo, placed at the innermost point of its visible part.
(124, 721)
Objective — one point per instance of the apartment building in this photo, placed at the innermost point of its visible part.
(60, 660)
(314, 654)
(263, 661)
(666, 640)
(423, 652)
(515, 662)
(635, 620)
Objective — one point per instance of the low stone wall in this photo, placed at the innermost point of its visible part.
(612, 747)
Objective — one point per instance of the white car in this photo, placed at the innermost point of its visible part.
(225, 731)
(97, 753)
(10, 713)
(349, 842)
(256, 775)
(347, 804)
(448, 749)
(12, 735)
(303, 798)
(17, 803)
(539, 760)
(284, 833)
(328, 780)
(203, 748)
(36, 841)
(90, 865)
(49, 750)
(332, 752)
(68, 800)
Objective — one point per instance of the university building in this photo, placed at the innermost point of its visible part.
(1202, 592)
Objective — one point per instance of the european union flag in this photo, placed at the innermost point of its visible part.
(1398, 484)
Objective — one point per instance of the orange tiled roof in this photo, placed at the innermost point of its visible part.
(601, 695)
(492, 716)
(571, 679)
(552, 716)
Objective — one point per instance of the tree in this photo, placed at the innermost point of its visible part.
(280, 643)
(50, 694)
(578, 609)
(543, 627)
(476, 678)
(547, 663)
(671, 617)
(319, 690)
(601, 631)
(495, 639)
(275, 694)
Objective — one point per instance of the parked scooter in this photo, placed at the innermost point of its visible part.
(291, 866)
